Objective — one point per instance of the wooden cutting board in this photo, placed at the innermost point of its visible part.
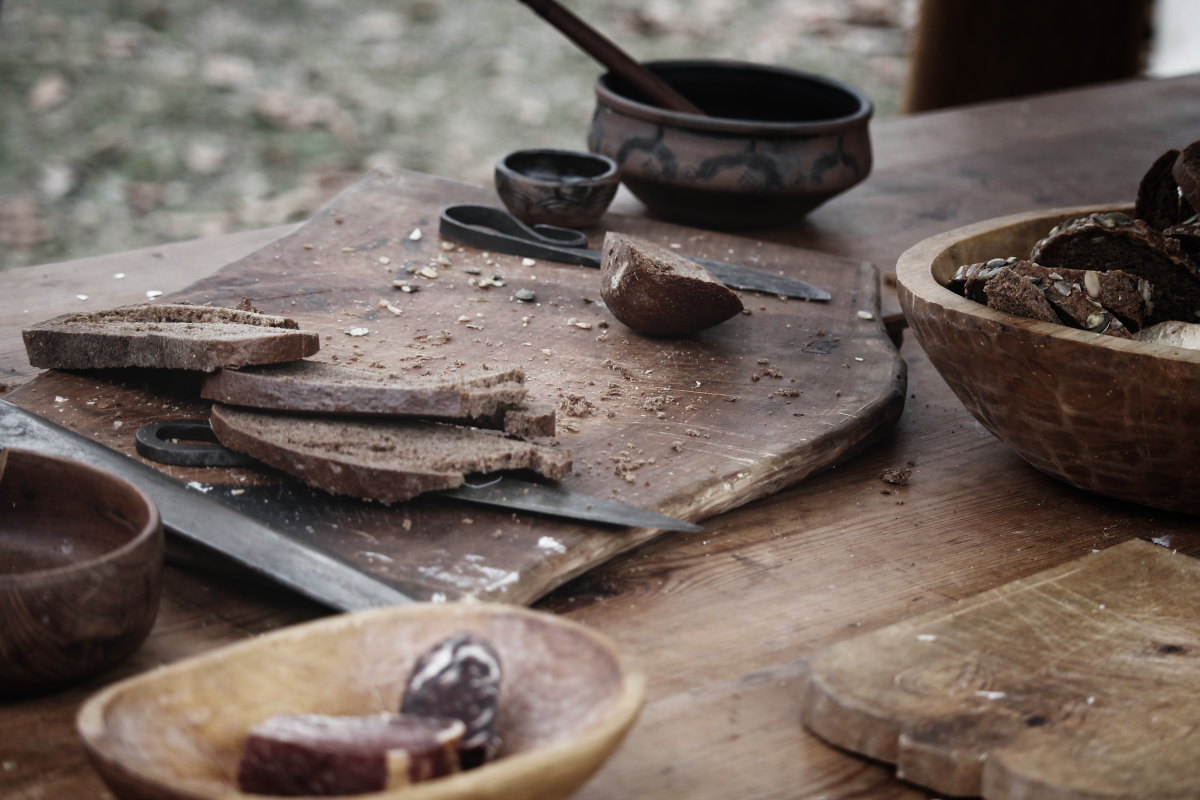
(1076, 683)
(687, 426)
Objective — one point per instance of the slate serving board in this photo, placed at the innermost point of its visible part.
(687, 426)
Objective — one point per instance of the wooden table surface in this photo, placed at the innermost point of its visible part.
(722, 621)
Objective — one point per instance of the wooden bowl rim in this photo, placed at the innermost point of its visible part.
(482, 782)
(150, 530)
(914, 273)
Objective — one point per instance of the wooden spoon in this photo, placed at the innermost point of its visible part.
(610, 55)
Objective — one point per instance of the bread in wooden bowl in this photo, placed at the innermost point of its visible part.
(1110, 415)
(566, 701)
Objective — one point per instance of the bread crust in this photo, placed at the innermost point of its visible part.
(388, 460)
(166, 336)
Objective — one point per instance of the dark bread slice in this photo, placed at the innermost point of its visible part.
(1158, 199)
(1186, 172)
(166, 336)
(1127, 296)
(1187, 236)
(388, 460)
(323, 755)
(1007, 291)
(969, 279)
(1107, 241)
(327, 388)
(658, 292)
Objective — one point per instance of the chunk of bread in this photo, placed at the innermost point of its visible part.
(327, 388)
(658, 292)
(166, 336)
(384, 459)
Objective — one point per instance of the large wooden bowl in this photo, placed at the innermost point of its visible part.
(566, 702)
(1113, 416)
(81, 559)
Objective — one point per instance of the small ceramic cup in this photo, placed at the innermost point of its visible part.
(556, 187)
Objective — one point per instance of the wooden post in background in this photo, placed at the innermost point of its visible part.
(968, 51)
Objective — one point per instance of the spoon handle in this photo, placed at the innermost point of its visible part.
(610, 55)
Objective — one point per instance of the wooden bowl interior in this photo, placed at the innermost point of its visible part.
(565, 698)
(1109, 415)
(60, 514)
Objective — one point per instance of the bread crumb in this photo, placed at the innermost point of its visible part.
(896, 476)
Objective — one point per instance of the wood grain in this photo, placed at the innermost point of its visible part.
(1076, 682)
(687, 426)
(721, 621)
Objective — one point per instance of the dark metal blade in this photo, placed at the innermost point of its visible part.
(508, 492)
(738, 277)
(312, 572)
(495, 229)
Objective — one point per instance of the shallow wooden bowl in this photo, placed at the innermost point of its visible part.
(1113, 416)
(81, 558)
(566, 702)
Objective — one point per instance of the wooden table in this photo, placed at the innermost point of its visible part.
(722, 621)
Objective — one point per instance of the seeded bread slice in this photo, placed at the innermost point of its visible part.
(167, 336)
(1158, 199)
(1113, 240)
(1007, 291)
(1186, 172)
(388, 460)
(658, 292)
(327, 388)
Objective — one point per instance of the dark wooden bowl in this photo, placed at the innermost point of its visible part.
(1118, 417)
(556, 187)
(566, 702)
(773, 144)
(81, 558)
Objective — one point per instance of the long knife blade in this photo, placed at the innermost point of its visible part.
(509, 492)
(495, 229)
(308, 570)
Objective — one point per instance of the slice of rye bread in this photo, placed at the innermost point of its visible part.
(330, 389)
(1127, 296)
(1158, 200)
(1007, 291)
(388, 460)
(166, 336)
(659, 292)
(1186, 172)
(1112, 240)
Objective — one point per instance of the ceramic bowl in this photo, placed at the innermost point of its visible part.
(556, 187)
(81, 559)
(1118, 417)
(566, 701)
(774, 143)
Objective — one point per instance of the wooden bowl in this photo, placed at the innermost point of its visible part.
(81, 558)
(566, 702)
(1118, 417)
(556, 187)
(773, 144)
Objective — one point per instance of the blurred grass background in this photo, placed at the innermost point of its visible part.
(128, 123)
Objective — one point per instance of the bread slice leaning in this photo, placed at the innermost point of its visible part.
(388, 460)
(166, 336)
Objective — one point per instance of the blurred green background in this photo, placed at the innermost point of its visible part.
(128, 123)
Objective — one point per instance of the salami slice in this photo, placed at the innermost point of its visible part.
(459, 678)
(319, 754)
